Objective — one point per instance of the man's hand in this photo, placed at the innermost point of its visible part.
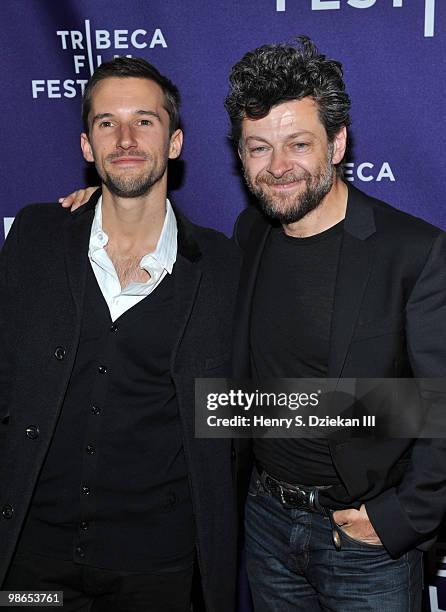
(77, 198)
(356, 524)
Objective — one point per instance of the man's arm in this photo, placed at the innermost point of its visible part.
(409, 514)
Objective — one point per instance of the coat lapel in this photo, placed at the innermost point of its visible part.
(248, 275)
(76, 240)
(355, 261)
(187, 280)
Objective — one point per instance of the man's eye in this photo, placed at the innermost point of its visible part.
(145, 122)
(258, 149)
(105, 124)
(301, 146)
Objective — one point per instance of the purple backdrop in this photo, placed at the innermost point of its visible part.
(394, 56)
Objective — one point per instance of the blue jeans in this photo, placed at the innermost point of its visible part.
(293, 565)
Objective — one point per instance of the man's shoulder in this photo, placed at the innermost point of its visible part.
(37, 223)
(245, 222)
(399, 224)
(42, 213)
(210, 242)
(210, 236)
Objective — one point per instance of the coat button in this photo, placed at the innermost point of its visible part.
(95, 410)
(114, 327)
(85, 490)
(7, 512)
(83, 525)
(102, 369)
(32, 432)
(80, 552)
(90, 449)
(60, 353)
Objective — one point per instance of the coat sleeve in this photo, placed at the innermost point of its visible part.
(409, 514)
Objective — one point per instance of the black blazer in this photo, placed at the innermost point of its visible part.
(389, 321)
(42, 276)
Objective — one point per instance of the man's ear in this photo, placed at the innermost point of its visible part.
(87, 151)
(176, 144)
(339, 145)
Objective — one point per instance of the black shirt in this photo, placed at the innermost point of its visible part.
(290, 333)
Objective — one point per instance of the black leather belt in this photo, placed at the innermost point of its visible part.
(301, 497)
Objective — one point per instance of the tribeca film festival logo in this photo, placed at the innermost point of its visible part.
(330, 5)
(85, 47)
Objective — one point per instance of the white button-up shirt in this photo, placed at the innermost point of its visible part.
(158, 263)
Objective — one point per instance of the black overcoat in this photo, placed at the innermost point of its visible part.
(42, 275)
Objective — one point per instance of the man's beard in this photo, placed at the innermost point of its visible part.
(134, 186)
(288, 209)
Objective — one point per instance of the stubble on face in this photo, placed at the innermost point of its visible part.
(130, 184)
(287, 209)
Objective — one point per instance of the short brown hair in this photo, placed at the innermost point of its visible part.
(124, 67)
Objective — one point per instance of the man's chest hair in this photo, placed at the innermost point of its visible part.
(127, 267)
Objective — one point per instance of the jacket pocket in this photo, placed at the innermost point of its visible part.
(379, 327)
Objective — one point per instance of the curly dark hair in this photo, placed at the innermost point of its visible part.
(123, 67)
(273, 74)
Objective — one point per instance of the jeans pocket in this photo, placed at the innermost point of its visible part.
(357, 542)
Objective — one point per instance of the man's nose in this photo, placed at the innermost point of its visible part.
(126, 137)
(279, 164)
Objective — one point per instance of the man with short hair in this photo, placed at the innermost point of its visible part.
(334, 284)
(106, 317)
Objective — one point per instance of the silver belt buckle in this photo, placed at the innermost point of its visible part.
(308, 499)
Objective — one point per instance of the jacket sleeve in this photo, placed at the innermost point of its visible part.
(408, 515)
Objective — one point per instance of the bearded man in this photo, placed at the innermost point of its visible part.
(334, 284)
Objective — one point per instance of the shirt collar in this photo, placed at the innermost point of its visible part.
(165, 253)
